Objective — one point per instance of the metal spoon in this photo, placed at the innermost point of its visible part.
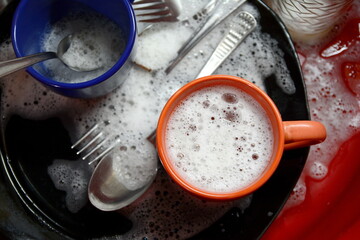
(10, 66)
(106, 192)
(109, 190)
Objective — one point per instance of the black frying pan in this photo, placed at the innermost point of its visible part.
(23, 164)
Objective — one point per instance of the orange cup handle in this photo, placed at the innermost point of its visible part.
(303, 133)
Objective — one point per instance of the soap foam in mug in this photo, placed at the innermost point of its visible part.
(219, 139)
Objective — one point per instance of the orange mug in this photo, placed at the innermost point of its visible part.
(214, 109)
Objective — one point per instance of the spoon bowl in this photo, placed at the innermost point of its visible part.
(106, 192)
(114, 185)
(11, 66)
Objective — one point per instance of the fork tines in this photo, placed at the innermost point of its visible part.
(93, 143)
(157, 10)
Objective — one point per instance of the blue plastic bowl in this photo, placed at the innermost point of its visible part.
(31, 19)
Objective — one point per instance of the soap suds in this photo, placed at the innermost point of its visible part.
(97, 48)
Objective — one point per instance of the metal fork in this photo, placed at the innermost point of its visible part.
(94, 144)
(151, 11)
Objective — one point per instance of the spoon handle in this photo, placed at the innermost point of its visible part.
(13, 65)
(243, 24)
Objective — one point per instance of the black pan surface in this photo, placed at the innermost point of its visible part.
(24, 164)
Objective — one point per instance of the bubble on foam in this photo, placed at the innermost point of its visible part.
(132, 112)
(202, 161)
(318, 170)
(229, 98)
(134, 167)
(97, 42)
(71, 177)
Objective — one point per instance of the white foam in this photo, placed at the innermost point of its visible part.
(331, 103)
(298, 194)
(157, 47)
(134, 167)
(318, 170)
(220, 139)
(97, 42)
(71, 177)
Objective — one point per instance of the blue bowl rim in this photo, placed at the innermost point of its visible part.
(80, 85)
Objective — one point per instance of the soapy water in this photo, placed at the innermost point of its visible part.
(297, 195)
(97, 43)
(219, 139)
(331, 102)
(71, 177)
(131, 171)
(253, 55)
(132, 112)
(160, 212)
